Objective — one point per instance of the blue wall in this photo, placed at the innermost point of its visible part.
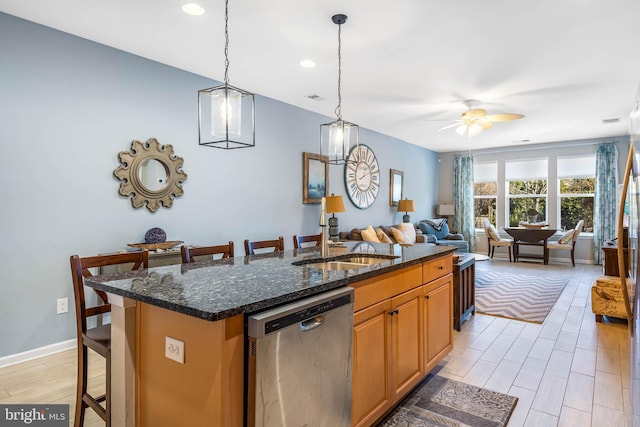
(68, 106)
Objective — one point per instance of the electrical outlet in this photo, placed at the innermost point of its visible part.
(62, 305)
(174, 349)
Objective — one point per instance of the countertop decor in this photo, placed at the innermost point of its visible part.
(218, 289)
(156, 246)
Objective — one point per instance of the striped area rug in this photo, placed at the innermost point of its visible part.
(528, 298)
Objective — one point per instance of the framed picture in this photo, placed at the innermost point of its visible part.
(396, 179)
(315, 178)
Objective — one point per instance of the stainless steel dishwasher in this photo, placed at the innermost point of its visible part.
(299, 363)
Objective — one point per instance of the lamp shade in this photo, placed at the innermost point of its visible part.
(446, 210)
(406, 205)
(334, 204)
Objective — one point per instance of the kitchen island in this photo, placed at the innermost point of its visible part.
(204, 306)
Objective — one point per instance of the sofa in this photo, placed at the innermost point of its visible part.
(437, 231)
(356, 234)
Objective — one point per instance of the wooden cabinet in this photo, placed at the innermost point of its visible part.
(406, 342)
(402, 329)
(438, 313)
(371, 342)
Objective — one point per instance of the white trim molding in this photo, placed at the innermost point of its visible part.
(36, 353)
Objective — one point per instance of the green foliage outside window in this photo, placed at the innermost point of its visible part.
(485, 202)
(576, 202)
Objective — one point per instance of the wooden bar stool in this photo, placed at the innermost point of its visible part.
(188, 253)
(277, 245)
(299, 240)
(98, 338)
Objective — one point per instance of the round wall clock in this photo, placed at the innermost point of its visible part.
(362, 176)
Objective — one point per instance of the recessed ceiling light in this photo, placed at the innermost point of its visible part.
(308, 63)
(193, 9)
(607, 121)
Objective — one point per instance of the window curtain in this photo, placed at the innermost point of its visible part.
(463, 199)
(604, 206)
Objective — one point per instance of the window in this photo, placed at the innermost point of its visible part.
(576, 188)
(526, 182)
(485, 192)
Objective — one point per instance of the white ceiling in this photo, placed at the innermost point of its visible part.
(566, 65)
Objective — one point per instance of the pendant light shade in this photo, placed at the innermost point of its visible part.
(338, 137)
(226, 114)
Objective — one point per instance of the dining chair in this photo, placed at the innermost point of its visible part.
(494, 239)
(567, 242)
(99, 338)
(277, 245)
(188, 253)
(298, 241)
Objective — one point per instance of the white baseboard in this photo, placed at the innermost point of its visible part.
(35, 353)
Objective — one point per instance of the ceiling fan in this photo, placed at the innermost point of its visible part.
(474, 121)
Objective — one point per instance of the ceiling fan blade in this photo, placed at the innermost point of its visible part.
(504, 117)
(450, 126)
(483, 123)
(461, 129)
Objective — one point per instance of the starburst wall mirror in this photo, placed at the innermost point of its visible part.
(151, 174)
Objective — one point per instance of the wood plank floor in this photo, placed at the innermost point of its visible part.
(568, 371)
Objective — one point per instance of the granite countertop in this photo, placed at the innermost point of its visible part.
(214, 290)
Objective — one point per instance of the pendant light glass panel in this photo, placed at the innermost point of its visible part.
(336, 139)
(226, 117)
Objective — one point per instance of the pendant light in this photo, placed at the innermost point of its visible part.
(226, 117)
(337, 137)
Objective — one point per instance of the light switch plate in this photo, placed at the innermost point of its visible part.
(174, 349)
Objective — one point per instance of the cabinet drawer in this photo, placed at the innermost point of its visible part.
(436, 268)
(371, 291)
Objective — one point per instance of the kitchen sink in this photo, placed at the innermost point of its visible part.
(345, 262)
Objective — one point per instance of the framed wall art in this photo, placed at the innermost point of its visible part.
(396, 179)
(315, 178)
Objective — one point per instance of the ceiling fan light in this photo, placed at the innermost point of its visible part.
(461, 129)
(475, 129)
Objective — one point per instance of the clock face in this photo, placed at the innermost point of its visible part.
(362, 176)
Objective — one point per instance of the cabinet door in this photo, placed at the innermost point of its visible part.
(371, 336)
(438, 315)
(406, 341)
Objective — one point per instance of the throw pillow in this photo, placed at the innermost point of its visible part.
(493, 233)
(566, 237)
(429, 229)
(409, 230)
(382, 236)
(369, 235)
(400, 236)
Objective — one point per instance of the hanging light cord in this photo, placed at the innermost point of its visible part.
(226, 42)
(339, 107)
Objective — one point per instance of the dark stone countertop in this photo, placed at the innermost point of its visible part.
(214, 290)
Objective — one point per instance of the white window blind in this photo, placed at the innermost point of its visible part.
(485, 172)
(526, 170)
(577, 166)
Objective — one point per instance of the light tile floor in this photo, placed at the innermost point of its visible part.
(568, 371)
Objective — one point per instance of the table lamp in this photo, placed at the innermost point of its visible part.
(406, 206)
(334, 205)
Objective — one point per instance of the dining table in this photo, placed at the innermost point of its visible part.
(530, 237)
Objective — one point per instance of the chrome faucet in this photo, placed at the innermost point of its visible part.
(324, 245)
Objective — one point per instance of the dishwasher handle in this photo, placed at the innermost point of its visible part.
(310, 324)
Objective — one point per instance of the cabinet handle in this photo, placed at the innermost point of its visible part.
(426, 297)
(392, 312)
(440, 267)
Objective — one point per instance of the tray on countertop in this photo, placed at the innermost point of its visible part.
(155, 246)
